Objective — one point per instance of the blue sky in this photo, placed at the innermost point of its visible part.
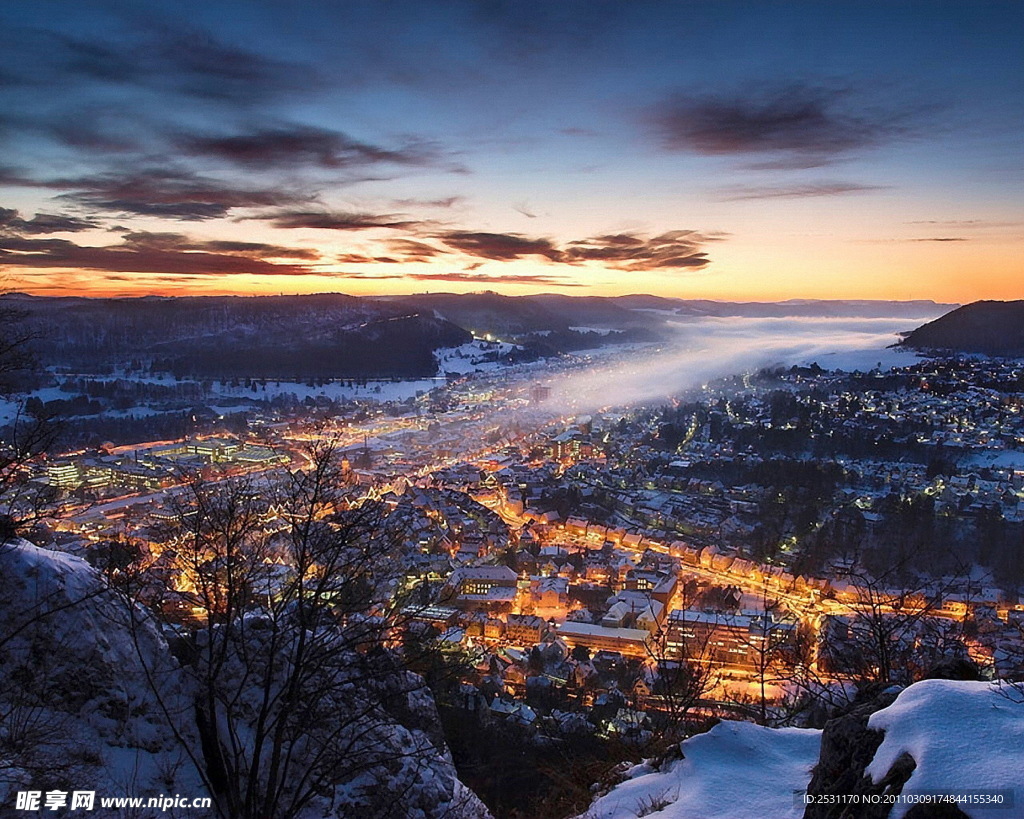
(720, 150)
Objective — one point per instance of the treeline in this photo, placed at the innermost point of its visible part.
(327, 336)
(94, 430)
(130, 392)
(359, 359)
(556, 341)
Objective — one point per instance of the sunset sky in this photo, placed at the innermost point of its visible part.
(720, 150)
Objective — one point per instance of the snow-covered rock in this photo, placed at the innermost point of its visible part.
(963, 736)
(737, 770)
(88, 690)
(91, 698)
(947, 736)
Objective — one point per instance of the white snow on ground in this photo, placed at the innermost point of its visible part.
(737, 770)
(14, 406)
(865, 360)
(1006, 459)
(340, 389)
(467, 358)
(964, 736)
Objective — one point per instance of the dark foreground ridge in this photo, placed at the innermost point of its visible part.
(988, 327)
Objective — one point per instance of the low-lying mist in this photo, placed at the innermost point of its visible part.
(706, 349)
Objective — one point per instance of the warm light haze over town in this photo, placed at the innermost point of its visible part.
(511, 409)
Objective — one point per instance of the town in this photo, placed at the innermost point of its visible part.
(761, 531)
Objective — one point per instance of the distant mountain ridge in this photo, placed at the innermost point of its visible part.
(821, 308)
(333, 335)
(988, 327)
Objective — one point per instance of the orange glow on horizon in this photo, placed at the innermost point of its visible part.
(886, 271)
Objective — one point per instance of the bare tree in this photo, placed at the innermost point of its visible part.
(22, 502)
(288, 645)
(891, 628)
(687, 675)
(771, 649)
(886, 628)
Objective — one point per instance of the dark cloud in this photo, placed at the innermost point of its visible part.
(677, 249)
(965, 224)
(298, 145)
(797, 191)
(802, 125)
(95, 59)
(167, 192)
(578, 132)
(141, 252)
(355, 258)
(334, 220)
(400, 251)
(36, 57)
(463, 276)
(941, 239)
(413, 251)
(10, 221)
(147, 240)
(501, 246)
(165, 56)
(371, 276)
(98, 129)
(200, 65)
(446, 202)
(12, 177)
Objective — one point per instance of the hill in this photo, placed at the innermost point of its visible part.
(819, 308)
(328, 335)
(989, 327)
(332, 335)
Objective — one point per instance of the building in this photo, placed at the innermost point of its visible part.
(64, 475)
(572, 445)
(525, 629)
(482, 586)
(539, 393)
(600, 638)
(481, 579)
(741, 641)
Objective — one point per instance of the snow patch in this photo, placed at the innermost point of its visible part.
(963, 735)
(737, 770)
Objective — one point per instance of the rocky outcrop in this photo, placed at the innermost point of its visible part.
(847, 748)
(92, 698)
(848, 745)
